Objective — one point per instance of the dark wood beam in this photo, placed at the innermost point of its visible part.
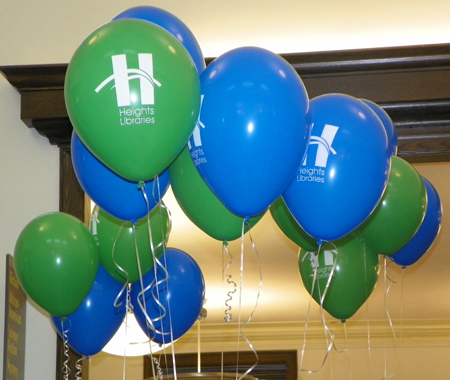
(411, 83)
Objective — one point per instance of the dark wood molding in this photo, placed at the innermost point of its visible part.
(71, 201)
(411, 83)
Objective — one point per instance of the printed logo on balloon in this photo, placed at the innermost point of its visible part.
(345, 171)
(253, 131)
(121, 77)
(132, 94)
(195, 142)
(324, 149)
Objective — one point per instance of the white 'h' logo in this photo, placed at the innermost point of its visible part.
(323, 143)
(314, 257)
(122, 76)
(196, 133)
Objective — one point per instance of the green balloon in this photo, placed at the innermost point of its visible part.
(116, 242)
(354, 277)
(56, 262)
(290, 227)
(133, 96)
(200, 204)
(400, 211)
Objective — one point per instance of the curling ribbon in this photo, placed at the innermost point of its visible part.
(156, 262)
(228, 316)
(65, 369)
(314, 257)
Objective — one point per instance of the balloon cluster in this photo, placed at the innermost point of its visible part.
(132, 92)
(353, 200)
(233, 139)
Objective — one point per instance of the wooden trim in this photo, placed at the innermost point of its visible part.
(291, 335)
(71, 201)
(411, 83)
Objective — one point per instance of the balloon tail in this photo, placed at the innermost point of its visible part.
(228, 316)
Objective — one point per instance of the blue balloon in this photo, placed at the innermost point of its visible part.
(253, 129)
(96, 320)
(387, 123)
(181, 296)
(171, 24)
(119, 197)
(428, 231)
(345, 171)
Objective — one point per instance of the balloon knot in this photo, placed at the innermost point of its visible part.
(141, 185)
(343, 320)
(319, 242)
(64, 319)
(246, 219)
(225, 243)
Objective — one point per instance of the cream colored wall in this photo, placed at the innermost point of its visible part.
(48, 31)
(28, 188)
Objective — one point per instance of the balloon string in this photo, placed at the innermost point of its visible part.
(170, 319)
(401, 319)
(347, 351)
(124, 362)
(308, 313)
(142, 304)
(66, 368)
(369, 353)
(79, 367)
(345, 336)
(241, 281)
(255, 250)
(327, 330)
(159, 371)
(141, 298)
(128, 309)
(156, 193)
(117, 302)
(386, 294)
(228, 316)
(153, 287)
(329, 334)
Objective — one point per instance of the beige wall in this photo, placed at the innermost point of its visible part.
(29, 187)
(48, 31)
